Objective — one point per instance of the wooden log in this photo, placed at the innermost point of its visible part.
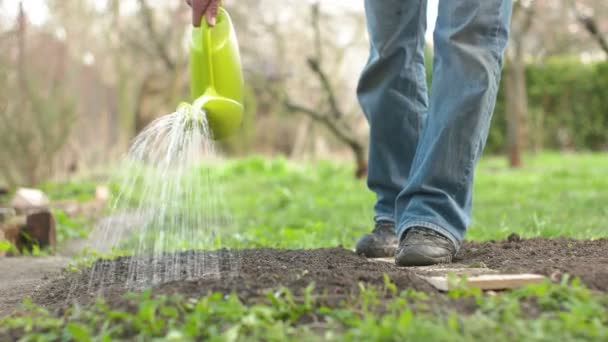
(2, 238)
(39, 230)
(25, 232)
(11, 230)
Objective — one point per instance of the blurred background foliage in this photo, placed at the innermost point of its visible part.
(80, 78)
(568, 107)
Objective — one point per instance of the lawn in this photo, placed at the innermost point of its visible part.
(320, 205)
(280, 204)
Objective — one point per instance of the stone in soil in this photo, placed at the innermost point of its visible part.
(27, 201)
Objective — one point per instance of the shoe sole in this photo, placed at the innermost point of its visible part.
(378, 253)
(413, 259)
(370, 248)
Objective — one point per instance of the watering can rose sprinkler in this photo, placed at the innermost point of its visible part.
(216, 76)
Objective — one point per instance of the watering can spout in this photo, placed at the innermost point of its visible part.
(217, 76)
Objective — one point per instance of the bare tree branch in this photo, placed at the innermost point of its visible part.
(21, 56)
(315, 10)
(157, 40)
(340, 131)
(315, 63)
(334, 119)
(590, 24)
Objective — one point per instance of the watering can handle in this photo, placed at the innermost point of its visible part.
(208, 47)
(200, 9)
(208, 44)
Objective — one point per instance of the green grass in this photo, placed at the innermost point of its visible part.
(280, 204)
(276, 203)
(562, 313)
(554, 195)
(77, 190)
(68, 228)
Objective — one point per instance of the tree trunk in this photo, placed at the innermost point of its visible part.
(302, 138)
(517, 110)
(360, 160)
(21, 56)
(125, 111)
(515, 82)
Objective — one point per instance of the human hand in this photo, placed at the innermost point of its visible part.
(204, 8)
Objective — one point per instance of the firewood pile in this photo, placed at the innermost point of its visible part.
(28, 221)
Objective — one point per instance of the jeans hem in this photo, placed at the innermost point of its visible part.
(385, 218)
(424, 224)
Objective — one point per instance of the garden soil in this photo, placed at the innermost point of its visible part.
(19, 278)
(337, 272)
(554, 258)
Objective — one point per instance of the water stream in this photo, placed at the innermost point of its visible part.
(169, 206)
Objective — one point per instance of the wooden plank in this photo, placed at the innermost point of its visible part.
(489, 282)
(386, 260)
(443, 269)
(482, 278)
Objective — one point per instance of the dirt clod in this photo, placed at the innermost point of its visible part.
(514, 238)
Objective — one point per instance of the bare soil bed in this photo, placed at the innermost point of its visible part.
(335, 272)
(554, 258)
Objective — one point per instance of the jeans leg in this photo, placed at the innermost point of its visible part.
(393, 94)
(470, 40)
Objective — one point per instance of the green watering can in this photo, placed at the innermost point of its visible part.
(217, 76)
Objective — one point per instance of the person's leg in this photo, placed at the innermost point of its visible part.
(470, 40)
(393, 94)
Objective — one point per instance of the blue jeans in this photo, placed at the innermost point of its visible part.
(423, 149)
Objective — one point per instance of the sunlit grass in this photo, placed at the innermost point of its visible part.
(553, 195)
(283, 204)
(280, 203)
